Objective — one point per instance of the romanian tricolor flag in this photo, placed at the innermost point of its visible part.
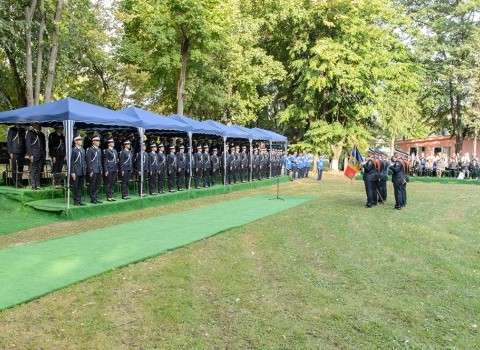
(354, 163)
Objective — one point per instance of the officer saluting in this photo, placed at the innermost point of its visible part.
(171, 168)
(35, 143)
(78, 170)
(56, 150)
(126, 167)
(16, 150)
(95, 169)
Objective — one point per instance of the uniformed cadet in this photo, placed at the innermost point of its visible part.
(94, 169)
(171, 168)
(319, 167)
(154, 169)
(207, 167)
(142, 158)
(162, 168)
(181, 167)
(398, 179)
(16, 151)
(110, 167)
(78, 170)
(237, 165)
(126, 167)
(255, 163)
(215, 166)
(189, 167)
(243, 170)
(383, 177)
(229, 163)
(35, 144)
(294, 165)
(56, 148)
(370, 178)
(198, 166)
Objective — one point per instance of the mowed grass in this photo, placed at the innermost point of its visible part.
(329, 274)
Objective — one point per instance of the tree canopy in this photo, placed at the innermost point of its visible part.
(328, 74)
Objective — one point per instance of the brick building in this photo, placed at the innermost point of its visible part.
(436, 144)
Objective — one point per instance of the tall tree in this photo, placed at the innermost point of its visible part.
(448, 42)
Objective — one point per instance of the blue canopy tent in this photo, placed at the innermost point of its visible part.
(273, 135)
(70, 112)
(151, 121)
(200, 128)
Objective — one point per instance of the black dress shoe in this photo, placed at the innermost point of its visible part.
(125, 198)
(98, 202)
(398, 208)
(368, 206)
(81, 203)
(76, 203)
(109, 200)
(94, 202)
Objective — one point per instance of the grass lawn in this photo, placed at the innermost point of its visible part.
(328, 274)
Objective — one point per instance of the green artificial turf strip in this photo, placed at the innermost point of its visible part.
(33, 270)
(12, 221)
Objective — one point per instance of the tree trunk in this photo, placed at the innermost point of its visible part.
(475, 136)
(53, 53)
(19, 85)
(39, 63)
(336, 150)
(392, 145)
(29, 11)
(183, 74)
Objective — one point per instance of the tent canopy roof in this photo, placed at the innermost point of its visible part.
(68, 109)
(273, 135)
(152, 121)
(197, 126)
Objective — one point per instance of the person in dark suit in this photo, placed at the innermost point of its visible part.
(154, 168)
(369, 178)
(243, 164)
(189, 167)
(181, 167)
(142, 158)
(162, 167)
(56, 150)
(171, 168)
(207, 167)
(16, 151)
(78, 170)
(198, 166)
(126, 167)
(215, 166)
(110, 167)
(94, 169)
(35, 144)
(398, 169)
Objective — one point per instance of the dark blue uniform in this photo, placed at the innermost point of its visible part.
(198, 167)
(207, 167)
(369, 178)
(154, 169)
(126, 168)
(399, 183)
(16, 150)
(78, 167)
(95, 169)
(172, 171)
(110, 166)
(35, 144)
(181, 169)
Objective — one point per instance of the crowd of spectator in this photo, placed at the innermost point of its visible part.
(441, 165)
